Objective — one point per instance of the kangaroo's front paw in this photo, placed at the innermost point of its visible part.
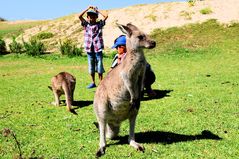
(100, 152)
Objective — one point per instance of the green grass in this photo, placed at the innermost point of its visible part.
(14, 29)
(197, 77)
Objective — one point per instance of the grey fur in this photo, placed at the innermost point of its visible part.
(63, 83)
(117, 98)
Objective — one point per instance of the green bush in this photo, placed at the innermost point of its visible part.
(67, 47)
(206, 11)
(34, 47)
(191, 2)
(43, 35)
(3, 49)
(2, 19)
(112, 54)
(15, 47)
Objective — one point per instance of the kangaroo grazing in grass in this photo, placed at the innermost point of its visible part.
(63, 83)
(117, 98)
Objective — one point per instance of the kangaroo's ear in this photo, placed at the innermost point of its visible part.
(131, 26)
(125, 29)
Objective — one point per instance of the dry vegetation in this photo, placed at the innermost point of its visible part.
(148, 17)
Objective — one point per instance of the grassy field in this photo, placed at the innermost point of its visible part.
(14, 29)
(195, 115)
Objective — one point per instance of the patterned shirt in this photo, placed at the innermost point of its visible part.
(93, 36)
(117, 60)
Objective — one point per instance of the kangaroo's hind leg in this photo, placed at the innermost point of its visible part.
(131, 139)
(57, 95)
(102, 128)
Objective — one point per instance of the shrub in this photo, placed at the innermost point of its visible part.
(43, 35)
(112, 54)
(206, 11)
(151, 17)
(67, 47)
(34, 47)
(2, 19)
(15, 47)
(3, 49)
(191, 2)
(186, 15)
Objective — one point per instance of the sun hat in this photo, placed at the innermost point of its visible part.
(121, 40)
(91, 11)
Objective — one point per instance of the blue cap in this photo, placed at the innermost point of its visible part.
(91, 11)
(121, 40)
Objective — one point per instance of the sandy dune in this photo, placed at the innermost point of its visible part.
(146, 17)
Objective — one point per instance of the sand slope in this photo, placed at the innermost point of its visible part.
(146, 17)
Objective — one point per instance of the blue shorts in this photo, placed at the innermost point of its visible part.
(95, 62)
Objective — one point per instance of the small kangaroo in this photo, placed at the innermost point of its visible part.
(117, 98)
(63, 83)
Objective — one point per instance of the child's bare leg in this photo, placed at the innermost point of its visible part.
(93, 77)
(100, 76)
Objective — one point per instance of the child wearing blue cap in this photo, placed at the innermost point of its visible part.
(120, 45)
(93, 41)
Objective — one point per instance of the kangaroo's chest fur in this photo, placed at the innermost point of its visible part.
(116, 98)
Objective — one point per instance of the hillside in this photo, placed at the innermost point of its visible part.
(147, 17)
(2, 19)
(193, 116)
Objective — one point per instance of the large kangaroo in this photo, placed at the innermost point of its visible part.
(63, 83)
(117, 98)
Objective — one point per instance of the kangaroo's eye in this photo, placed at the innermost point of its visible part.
(141, 37)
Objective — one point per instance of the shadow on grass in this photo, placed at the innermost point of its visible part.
(167, 137)
(79, 104)
(159, 94)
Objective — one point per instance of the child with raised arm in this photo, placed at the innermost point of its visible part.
(93, 41)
